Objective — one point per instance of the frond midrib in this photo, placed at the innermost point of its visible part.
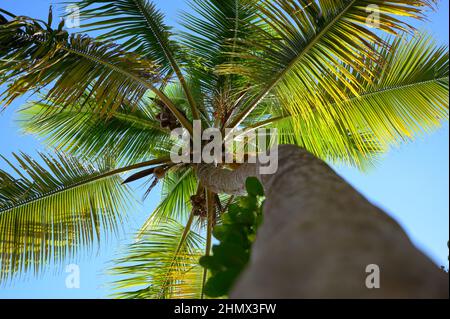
(143, 123)
(80, 183)
(280, 75)
(183, 120)
(360, 97)
(171, 59)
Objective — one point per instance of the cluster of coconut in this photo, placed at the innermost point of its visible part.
(199, 205)
(166, 117)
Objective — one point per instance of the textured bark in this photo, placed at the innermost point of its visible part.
(225, 181)
(320, 234)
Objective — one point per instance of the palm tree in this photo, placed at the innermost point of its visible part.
(334, 237)
(321, 72)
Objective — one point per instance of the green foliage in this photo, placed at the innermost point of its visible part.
(177, 188)
(212, 27)
(235, 235)
(50, 211)
(259, 56)
(82, 131)
(313, 69)
(163, 263)
(138, 23)
(408, 97)
(72, 64)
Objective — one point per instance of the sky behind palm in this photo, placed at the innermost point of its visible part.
(411, 182)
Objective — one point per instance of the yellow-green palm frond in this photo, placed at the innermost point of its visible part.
(132, 135)
(53, 207)
(409, 96)
(303, 47)
(162, 264)
(177, 188)
(320, 138)
(174, 90)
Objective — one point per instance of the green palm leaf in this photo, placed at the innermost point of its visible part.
(410, 96)
(157, 266)
(137, 23)
(52, 210)
(36, 57)
(33, 56)
(211, 26)
(131, 135)
(141, 26)
(177, 189)
(303, 48)
(315, 69)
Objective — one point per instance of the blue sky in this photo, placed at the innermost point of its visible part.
(410, 182)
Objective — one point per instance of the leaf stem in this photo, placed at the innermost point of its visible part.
(210, 196)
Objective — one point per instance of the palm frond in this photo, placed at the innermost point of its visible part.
(211, 26)
(137, 23)
(319, 138)
(157, 266)
(141, 26)
(132, 135)
(410, 96)
(178, 187)
(303, 46)
(33, 57)
(49, 211)
(175, 91)
(211, 211)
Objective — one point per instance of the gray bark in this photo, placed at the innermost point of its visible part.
(319, 235)
(225, 181)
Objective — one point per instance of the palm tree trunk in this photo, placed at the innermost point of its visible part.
(226, 181)
(320, 236)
